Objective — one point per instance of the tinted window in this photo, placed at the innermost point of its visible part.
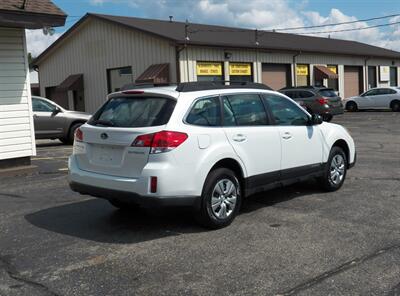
(386, 91)
(285, 112)
(305, 94)
(205, 112)
(328, 93)
(244, 110)
(134, 112)
(372, 92)
(39, 105)
(291, 94)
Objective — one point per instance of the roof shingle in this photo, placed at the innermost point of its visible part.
(31, 6)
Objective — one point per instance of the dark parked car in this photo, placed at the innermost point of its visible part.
(54, 122)
(316, 100)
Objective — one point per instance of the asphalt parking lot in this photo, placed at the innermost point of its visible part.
(295, 241)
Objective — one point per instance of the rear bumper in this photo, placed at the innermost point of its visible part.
(133, 198)
(130, 190)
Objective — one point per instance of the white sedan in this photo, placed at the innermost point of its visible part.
(376, 98)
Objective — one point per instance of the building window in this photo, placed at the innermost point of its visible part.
(393, 76)
(209, 71)
(240, 72)
(371, 77)
(302, 75)
(118, 77)
(333, 83)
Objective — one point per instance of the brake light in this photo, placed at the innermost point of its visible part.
(322, 101)
(78, 135)
(160, 142)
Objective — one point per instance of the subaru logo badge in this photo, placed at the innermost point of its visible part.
(104, 136)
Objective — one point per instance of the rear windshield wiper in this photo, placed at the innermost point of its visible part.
(103, 122)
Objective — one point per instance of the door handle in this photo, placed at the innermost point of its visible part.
(287, 136)
(239, 138)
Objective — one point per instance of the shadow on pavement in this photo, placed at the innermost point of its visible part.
(50, 143)
(97, 220)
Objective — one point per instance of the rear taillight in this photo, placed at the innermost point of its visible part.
(163, 141)
(322, 101)
(78, 135)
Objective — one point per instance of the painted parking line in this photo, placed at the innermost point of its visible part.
(63, 169)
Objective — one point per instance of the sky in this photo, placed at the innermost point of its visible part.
(254, 14)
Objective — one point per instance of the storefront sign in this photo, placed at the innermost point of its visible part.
(333, 69)
(384, 73)
(302, 70)
(209, 69)
(239, 69)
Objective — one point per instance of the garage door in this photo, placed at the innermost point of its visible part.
(276, 76)
(352, 81)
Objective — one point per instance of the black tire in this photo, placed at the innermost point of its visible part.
(395, 106)
(206, 215)
(351, 107)
(124, 206)
(327, 182)
(71, 134)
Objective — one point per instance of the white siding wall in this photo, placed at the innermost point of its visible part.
(17, 137)
(100, 45)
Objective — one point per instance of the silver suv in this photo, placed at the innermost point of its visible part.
(54, 122)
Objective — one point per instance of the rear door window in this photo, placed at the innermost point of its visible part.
(134, 112)
(244, 110)
(328, 93)
(205, 112)
(305, 94)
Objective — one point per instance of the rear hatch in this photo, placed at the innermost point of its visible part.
(111, 131)
(333, 100)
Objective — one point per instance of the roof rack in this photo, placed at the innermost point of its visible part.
(218, 84)
(303, 87)
(143, 85)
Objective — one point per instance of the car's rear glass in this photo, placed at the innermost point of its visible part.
(134, 112)
(329, 93)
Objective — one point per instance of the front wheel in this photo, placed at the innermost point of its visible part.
(351, 107)
(221, 199)
(335, 171)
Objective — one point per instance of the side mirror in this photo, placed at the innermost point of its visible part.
(315, 119)
(55, 111)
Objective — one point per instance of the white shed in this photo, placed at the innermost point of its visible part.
(17, 138)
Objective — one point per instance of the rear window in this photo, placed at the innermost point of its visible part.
(134, 112)
(329, 93)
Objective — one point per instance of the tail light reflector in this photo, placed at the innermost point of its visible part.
(78, 135)
(153, 184)
(322, 101)
(160, 142)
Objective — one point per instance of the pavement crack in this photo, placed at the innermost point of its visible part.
(11, 195)
(15, 275)
(344, 267)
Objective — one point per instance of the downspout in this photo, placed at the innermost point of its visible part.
(294, 67)
(178, 66)
(366, 74)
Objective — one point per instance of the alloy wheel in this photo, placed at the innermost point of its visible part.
(337, 169)
(224, 198)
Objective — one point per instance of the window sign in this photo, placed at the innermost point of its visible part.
(302, 70)
(333, 69)
(209, 69)
(384, 73)
(239, 69)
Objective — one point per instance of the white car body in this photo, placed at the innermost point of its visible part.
(376, 98)
(110, 167)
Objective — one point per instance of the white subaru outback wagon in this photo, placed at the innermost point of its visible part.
(204, 145)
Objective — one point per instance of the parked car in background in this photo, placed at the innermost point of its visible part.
(204, 145)
(51, 121)
(375, 98)
(316, 100)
